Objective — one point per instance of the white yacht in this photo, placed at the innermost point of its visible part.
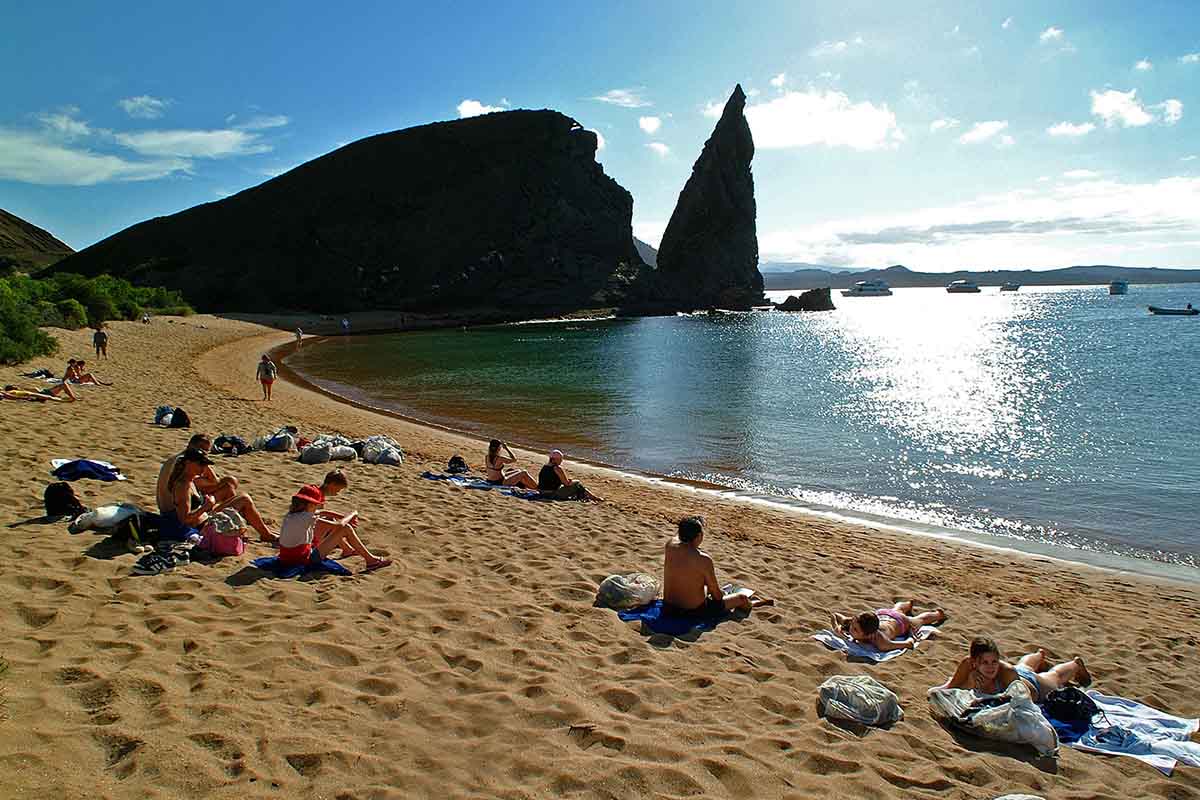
(1118, 287)
(867, 289)
(962, 287)
(1010, 287)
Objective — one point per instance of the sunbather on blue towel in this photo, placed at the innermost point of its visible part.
(690, 585)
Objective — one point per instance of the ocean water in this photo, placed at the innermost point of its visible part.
(1055, 416)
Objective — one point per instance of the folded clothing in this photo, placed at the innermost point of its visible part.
(853, 649)
(1129, 728)
(68, 469)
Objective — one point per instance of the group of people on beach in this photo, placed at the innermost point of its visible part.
(552, 480)
(76, 373)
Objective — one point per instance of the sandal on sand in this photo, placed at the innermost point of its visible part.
(380, 564)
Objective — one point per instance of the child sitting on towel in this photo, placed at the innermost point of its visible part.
(308, 535)
(884, 627)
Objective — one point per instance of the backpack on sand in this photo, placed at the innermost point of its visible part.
(180, 419)
(61, 501)
(457, 465)
(1070, 705)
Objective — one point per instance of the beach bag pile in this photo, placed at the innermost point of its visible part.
(380, 449)
(328, 447)
(633, 590)
(858, 698)
(1011, 716)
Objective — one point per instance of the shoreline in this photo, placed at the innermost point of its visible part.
(1117, 563)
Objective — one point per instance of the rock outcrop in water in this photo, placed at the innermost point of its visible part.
(26, 247)
(708, 257)
(812, 300)
(503, 211)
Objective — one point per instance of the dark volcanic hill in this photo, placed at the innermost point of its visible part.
(506, 210)
(25, 246)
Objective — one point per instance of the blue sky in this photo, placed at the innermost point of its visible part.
(939, 135)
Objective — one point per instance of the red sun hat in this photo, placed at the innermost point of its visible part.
(310, 493)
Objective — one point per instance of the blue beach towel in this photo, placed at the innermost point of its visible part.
(659, 619)
(69, 469)
(469, 482)
(279, 569)
(1129, 728)
(853, 649)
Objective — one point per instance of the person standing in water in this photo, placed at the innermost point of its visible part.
(267, 372)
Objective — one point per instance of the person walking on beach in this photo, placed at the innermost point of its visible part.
(887, 628)
(690, 585)
(345, 325)
(494, 468)
(267, 371)
(299, 338)
(985, 671)
(554, 483)
(100, 341)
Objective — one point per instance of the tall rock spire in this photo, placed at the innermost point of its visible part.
(709, 253)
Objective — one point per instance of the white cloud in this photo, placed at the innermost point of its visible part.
(1008, 23)
(1144, 65)
(944, 124)
(625, 98)
(982, 131)
(779, 80)
(474, 108)
(1051, 34)
(144, 106)
(1188, 158)
(650, 124)
(1005, 140)
(835, 48)
(973, 50)
(1172, 111)
(64, 123)
(193, 144)
(1080, 174)
(261, 122)
(1190, 58)
(1070, 130)
(660, 149)
(821, 117)
(1122, 108)
(30, 158)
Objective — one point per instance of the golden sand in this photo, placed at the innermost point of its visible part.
(476, 666)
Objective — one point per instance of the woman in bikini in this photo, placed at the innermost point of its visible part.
(75, 374)
(495, 468)
(884, 627)
(984, 671)
(190, 508)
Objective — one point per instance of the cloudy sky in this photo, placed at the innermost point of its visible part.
(937, 134)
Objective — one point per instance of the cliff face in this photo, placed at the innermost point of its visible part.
(25, 246)
(708, 256)
(506, 210)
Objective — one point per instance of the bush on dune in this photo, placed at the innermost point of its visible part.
(70, 301)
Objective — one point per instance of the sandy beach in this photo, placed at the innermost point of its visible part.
(477, 666)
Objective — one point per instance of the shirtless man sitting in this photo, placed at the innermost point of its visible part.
(221, 489)
(690, 578)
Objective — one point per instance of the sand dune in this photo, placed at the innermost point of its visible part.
(477, 666)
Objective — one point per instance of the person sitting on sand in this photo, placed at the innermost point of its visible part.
(494, 465)
(189, 508)
(985, 671)
(885, 627)
(307, 535)
(690, 578)
(553, 482)
(208, 482)
(76, 373)
(49, 394)
(333, 484)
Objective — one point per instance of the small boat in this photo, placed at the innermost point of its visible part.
(867, 289)
(962, 287)
(1118, 287)
(1175, 312)
(1009, 287)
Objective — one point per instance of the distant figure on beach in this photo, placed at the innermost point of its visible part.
(100, 341)
(885, 627)
(50, 393)
(308, 535)
(76, 374)
(189, 507)
(267, 371)
(985, 671)
(146, 318)
(494, 466)
(553, 482)
(345, 325)
(207, 481)
(299, 338)
(690, 584)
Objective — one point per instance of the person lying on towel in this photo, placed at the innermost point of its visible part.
(985, 671)
(887, 628)
(690, 578)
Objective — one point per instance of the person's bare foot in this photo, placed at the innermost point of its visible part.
(761, 602)
(1082, 676)
(269, 538)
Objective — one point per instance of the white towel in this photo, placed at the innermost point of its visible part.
(853, 649)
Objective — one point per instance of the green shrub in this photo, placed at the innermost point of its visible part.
(20, 339)
(47, 315)
(74, 315)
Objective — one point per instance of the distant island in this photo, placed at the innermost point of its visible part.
(899, 276)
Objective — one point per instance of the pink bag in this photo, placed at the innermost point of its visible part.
(222, 534)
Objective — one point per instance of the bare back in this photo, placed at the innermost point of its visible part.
(689, 577)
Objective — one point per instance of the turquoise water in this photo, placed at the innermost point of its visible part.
(1056, 415)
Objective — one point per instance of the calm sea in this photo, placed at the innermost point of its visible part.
(1056, 417)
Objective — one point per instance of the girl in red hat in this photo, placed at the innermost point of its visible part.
(302, 527)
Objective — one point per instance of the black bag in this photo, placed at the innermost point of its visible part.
(457, 465)
(180, 419)
(1070, 705)
(230, 445)
(61, 501)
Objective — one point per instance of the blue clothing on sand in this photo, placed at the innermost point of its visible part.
(83, 468)
(279, 569)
